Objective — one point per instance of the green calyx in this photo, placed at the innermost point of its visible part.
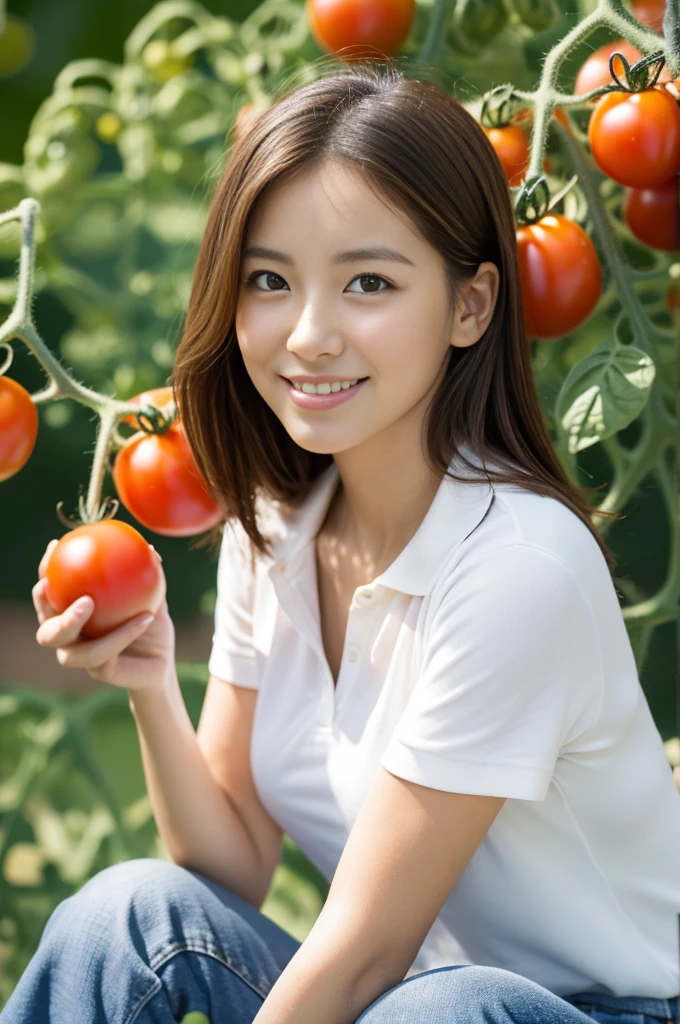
(642, 75)
(499, 107)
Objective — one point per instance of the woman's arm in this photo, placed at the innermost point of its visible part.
(200, 826)
(408, 847)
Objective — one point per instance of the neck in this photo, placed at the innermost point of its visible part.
(384, 494)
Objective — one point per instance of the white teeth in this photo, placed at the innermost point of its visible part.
(323, 389)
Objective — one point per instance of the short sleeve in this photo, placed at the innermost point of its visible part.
(512, 671)
(232, 657)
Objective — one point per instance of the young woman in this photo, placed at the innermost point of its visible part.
(420, 670)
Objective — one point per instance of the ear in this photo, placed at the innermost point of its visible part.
(476, 304)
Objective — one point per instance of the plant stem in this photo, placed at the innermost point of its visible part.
(20, 325)
(430, 48)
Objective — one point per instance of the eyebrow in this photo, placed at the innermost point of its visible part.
(379, 252)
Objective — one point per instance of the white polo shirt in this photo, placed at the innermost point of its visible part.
(490, 657)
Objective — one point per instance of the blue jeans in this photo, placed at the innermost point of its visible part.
(146, 942)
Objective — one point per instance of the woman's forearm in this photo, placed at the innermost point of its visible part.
(200, 827)
(323, 983)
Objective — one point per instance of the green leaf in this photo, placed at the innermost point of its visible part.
(603, 394)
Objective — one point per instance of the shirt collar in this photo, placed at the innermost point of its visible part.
(457, 508)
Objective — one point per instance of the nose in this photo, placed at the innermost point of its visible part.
(311, 339)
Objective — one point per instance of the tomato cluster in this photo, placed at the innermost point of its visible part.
(634, 137)
(158, 482)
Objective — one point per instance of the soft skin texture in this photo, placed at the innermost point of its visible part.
(320, 317)
(309, 313)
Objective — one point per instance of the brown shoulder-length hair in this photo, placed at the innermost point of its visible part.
(423, 152)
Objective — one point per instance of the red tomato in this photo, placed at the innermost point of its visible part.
(650, 13)
(560, 275)
(512, 149)
(653, 214)
(18, 427)
(595, 73)
(155, 396)
(113, 564)
(635, 137)
(361, 25)
(158, 481)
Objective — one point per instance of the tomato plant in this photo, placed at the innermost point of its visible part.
(512, 148)
(650, 12)
(653, 214)
(159, 397)
(635, 136)
(162, 58)
(113, 564)
(594, 72)
(157, 480)
(360, 26)
(560, 275)
(18, 427)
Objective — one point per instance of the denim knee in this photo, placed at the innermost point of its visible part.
(470, 994)
(141, 886)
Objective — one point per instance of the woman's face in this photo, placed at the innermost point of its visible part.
(315, 306)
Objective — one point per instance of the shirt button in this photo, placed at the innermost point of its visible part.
(353, 654)
(366, 595)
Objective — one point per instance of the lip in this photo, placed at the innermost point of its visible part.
(307, 401)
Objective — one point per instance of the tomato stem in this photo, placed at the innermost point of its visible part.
(20, 325)
(433, 41)
(8, 360)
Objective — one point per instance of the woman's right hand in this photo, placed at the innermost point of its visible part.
(136, 657)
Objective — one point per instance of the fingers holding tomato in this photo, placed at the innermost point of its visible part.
(113, 565)
(560, 275)
(101, 603)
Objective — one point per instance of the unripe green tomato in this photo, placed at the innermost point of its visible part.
(537, 15)
(17, 45)
(474, 24)
(108, 127)
(160, 57)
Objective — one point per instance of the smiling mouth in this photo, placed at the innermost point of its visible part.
(358, 380)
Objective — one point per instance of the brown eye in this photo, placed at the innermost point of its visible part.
(265, 273)
(373, 279)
